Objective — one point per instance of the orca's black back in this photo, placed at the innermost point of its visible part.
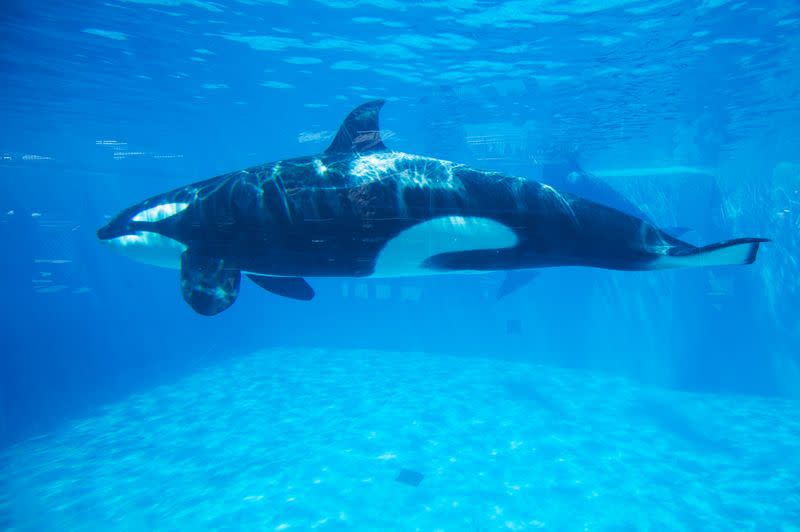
(327, 216)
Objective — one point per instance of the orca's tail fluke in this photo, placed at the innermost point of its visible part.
(737, 251)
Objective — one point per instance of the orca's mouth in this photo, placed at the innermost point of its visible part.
(140, 219)
(118, 229)
(110, 232)
(105, 233)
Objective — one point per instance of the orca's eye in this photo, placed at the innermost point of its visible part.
(160, 212)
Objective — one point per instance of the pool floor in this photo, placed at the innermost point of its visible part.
(298, 439)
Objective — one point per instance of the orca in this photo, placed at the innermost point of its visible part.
(570, 177)
(360, 209)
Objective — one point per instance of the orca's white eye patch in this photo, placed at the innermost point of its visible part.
(160, 212)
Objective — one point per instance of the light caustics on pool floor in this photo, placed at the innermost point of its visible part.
(300, 439)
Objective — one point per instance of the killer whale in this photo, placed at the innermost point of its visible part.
(361, 210)
(569, 176)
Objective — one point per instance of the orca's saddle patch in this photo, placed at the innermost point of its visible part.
(207, 285)
(412, 478)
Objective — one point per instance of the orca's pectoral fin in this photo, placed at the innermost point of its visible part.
(293, 287)
(207, 285)
(514, 280)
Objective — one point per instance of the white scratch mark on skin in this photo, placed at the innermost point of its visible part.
(410, 170)
(320, 168)
(563, 202)
(282, 192)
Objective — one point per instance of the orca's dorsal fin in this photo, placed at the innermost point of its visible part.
(360, 131)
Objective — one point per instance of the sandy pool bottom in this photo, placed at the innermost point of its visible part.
(298, 439)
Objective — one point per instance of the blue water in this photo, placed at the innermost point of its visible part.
(588, 399)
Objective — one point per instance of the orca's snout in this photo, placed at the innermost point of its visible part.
(104, 233)
(112, 230)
